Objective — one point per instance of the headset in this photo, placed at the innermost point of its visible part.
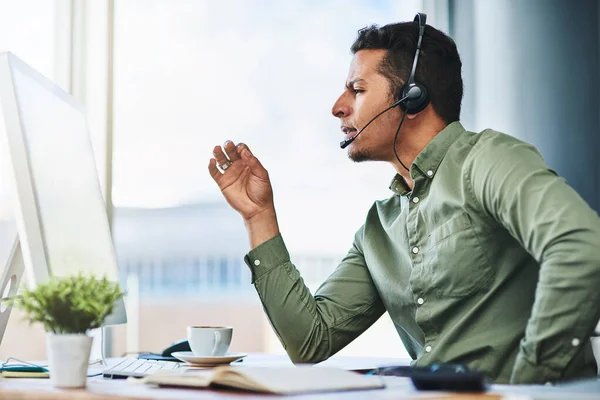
(412, 96)
(415, 93)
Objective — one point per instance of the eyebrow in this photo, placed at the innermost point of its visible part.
(350, 84)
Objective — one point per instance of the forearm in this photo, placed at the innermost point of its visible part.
(562, 320)
(312, 329)
(262, 227)
(289, 305)
(565, 311)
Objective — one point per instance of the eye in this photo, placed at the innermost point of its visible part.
(357, 91)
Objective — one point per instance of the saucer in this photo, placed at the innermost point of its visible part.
(190, 358)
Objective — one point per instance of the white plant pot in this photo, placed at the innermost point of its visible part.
(68, 359)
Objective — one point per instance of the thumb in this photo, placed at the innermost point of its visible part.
(253, 163)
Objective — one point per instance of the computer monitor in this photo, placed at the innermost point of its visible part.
(59, 212)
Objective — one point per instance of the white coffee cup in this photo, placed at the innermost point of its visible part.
(209, 341)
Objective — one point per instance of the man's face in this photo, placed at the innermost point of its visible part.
(367, 93)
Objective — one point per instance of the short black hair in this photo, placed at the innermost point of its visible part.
(438, 68)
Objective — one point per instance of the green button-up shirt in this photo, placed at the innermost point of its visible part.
(492, 260)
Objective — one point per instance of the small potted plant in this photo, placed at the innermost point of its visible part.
(69, 308)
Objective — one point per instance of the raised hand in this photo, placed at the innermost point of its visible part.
(245, 185)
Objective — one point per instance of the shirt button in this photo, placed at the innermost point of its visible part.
(257, 262)
(548, 383)
(420, 300)
(428, 349)
(430, 173)
(415, 250)
(575, 342)
(415, 199)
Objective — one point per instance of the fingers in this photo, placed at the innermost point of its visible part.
(229, 155)
(213, 170)
(240, 147)
(220, 156)
(231, 151)
(224, 157)
(226, 153)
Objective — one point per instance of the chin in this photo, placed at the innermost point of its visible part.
(359, 156)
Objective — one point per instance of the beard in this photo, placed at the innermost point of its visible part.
(359, 156)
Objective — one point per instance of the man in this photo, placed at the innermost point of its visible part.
(482, 255)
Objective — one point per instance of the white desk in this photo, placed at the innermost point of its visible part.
(101, 388)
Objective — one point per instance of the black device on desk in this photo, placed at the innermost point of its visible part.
(442, 377)
(166, 355)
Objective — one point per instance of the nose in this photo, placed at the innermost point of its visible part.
(341, 108)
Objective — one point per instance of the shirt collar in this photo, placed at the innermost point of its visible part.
(399, 186)
(429, 159)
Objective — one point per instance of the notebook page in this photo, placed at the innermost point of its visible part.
(298, 379)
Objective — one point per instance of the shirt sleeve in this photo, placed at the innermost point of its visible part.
(313, 328)
(513, 185)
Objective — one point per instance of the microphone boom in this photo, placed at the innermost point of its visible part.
(346, 142)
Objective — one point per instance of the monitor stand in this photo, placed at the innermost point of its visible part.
(10, 281)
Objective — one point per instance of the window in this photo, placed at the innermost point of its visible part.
(27, 29)
(188, 76)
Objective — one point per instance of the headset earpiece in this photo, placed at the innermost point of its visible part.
(417, 98)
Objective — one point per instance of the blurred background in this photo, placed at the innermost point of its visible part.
(164, 81)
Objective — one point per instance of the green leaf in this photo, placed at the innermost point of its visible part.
(74, 304)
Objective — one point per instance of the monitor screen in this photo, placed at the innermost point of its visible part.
(8, 226)
(59, 196)
(65, 181)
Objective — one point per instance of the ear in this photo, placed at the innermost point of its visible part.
(422, 112)
(413, 116)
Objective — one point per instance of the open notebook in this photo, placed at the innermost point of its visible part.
(278, 380)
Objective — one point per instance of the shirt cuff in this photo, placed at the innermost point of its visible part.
(267, 256)
(525, 372)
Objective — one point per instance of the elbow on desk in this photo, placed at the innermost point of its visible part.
(306, 341)
(306, 357)
(312, 350)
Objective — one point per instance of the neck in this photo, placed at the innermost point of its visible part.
(412, 139)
